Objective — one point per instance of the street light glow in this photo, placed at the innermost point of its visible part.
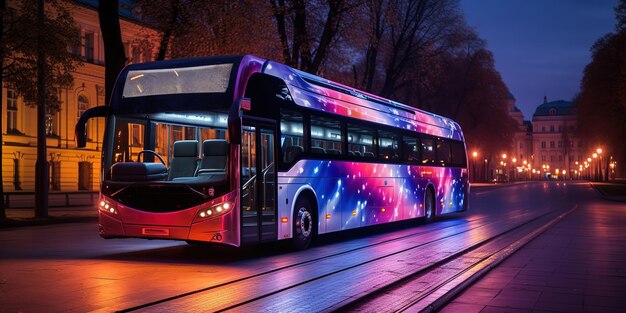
(595, 155)
(599, 150)
(504, 155)
(474, 154)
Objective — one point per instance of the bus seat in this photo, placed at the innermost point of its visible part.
(318, 150)
(185, 160)
(292, 152)
(357, 153)
(214, 156)
(333, 151)
(368, 154)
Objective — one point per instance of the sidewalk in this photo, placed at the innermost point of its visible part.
(578, 265)
(614, 191)
(26, 217)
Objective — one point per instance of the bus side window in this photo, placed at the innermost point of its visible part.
(458, 154)
(388, 149)
(326, 136)
(428, 151)
(411, 150)
(291, 129)
(360, 141)
(443, 152)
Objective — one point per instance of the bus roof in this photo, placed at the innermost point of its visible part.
(306, 90)
(318, 93)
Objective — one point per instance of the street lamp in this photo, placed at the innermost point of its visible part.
(474, 155)
(600, 176)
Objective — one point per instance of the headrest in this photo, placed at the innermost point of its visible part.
(214, 147)
(186, 148)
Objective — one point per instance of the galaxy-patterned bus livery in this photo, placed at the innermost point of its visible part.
(232, 101)
(353, 194)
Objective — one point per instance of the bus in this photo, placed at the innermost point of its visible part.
(242, 150)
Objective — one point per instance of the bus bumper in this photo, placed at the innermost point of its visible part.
(180, 225)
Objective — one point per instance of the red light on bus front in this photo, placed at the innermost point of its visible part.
(284, 220)
(327, 216)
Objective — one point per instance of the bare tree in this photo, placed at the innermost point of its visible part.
(296, 20)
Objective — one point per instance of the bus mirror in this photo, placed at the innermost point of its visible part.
(245, 104)
(81, 127)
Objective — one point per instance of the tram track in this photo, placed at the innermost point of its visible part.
(443, 288)
(227, 288)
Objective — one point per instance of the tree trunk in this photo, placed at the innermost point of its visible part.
(41, 166)
(114, 55)
(165, 40)
(3, 4)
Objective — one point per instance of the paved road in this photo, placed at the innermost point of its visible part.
(69, 267)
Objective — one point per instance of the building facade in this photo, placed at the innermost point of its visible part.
(71, 169)
(548, 145)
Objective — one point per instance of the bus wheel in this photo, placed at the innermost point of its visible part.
(429, 206)
(303, 224)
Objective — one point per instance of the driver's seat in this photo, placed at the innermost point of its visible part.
(185, 160)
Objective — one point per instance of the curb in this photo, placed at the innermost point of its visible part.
(605, 196)
(9, 224)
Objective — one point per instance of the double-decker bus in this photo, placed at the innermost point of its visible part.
(243, 150)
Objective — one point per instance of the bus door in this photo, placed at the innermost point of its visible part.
(258, 183)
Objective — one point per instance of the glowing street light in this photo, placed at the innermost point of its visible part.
(599, 150)
(504, 155)
(595, 155)
(475, 154)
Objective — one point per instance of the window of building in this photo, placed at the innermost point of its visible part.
(11, 111)
(135, 55)
(521, 145)
(551, 158)
(543, 158)
(147, 55)
(560, 158)
(136, 136)
(543, 144)
(83, 105)
(543, 129)
(89, 47)
(551, 128)
(85, 174)
(551, 144)
(552, 111)
(560, 143)
(560, 128)
(51, 124)
(55, 175)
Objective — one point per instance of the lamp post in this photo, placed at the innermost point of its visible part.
(474, 155)
(504, 170)
(514, 160)
(595, 168)
(599, 152)
(486, 171)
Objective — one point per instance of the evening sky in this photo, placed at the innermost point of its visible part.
(541, 47)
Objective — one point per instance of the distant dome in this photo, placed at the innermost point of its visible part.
(559, 107)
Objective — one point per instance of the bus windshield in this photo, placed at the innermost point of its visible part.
(189, 149)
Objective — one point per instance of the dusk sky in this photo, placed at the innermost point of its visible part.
(541, 47)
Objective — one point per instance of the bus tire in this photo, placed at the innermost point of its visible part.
(303, 224)
(429, 205)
